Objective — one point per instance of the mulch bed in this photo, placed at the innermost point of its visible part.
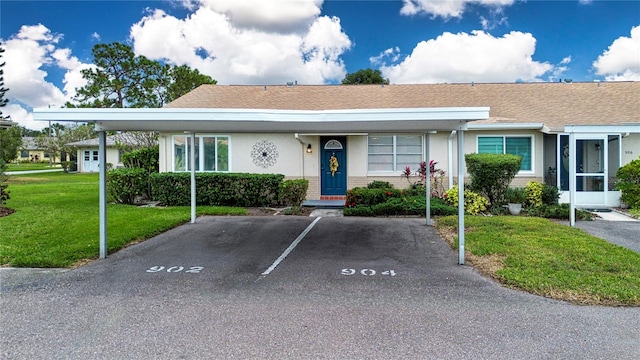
(6, 211)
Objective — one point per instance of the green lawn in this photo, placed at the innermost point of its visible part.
(56, 221)
(550, 259)
(31, 166)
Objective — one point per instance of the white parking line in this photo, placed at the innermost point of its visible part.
(291, 247)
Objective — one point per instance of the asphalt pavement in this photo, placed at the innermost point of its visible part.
(297, 288)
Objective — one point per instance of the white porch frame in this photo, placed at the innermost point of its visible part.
(192, 120)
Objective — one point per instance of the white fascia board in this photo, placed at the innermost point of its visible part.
(258, 120)
(602, 129)
(506, 126)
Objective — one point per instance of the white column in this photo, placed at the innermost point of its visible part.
(102, 162)
(427, 180)
(460, 197)
(192, 162)
(572, 179)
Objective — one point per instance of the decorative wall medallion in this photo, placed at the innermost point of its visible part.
(264, 154)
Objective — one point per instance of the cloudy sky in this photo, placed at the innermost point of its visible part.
(47, 43)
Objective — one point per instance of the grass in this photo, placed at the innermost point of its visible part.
(56, 221)
(549, 259)
(31, 166)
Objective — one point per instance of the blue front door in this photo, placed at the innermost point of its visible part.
(333, 165)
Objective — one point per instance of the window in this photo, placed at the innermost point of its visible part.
(24, 154)
(515, 145)
(211, 153)
(394, 152)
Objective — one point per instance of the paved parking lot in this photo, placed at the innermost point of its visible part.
(351, 288)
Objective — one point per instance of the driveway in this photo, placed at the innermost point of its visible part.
(289, 288)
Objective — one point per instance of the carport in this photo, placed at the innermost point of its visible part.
(199, 120)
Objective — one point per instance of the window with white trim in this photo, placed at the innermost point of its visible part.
(515, 145)
(211, 153)
(394, 152)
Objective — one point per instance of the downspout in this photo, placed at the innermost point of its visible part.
(303, 152)
(450, 159)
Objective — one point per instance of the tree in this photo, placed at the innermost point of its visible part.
(3, 90)
(365, 76)
(10, 143)
(122, 79)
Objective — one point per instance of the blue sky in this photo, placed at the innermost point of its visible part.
(48, 43)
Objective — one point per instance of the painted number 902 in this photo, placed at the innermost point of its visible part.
(367, 272)
(176, 269)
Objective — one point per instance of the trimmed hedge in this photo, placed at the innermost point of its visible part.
(491, 174)
(217, 189)
(124, 185)
(376, 201)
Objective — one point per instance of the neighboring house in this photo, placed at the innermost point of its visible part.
(342, 136)
(87, 154)
(29, 151)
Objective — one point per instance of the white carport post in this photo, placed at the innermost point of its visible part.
(572, 179)
(460, 197)
(427, 180)
(192, 161)
(102, 161)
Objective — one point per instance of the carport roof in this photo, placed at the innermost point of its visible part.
(270, 120)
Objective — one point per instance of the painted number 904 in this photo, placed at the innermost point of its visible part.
(367, 272)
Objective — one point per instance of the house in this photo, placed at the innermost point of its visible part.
(528, 119)
(339, 137)
(87, 154)
(31, 152)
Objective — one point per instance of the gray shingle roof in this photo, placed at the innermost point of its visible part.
(552, 104)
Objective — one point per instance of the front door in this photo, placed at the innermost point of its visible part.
(333, 165)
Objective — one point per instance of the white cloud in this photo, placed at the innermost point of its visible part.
(446, 8)
(621, 61)
(233, 53)
(29, 55)
(464, 57)
(267, 15)
(95, 36)
(392, 54)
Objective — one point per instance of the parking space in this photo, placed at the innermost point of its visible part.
(347, 288)
(222, 253)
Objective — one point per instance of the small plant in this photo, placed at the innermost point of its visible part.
(436, 176)
(534, 191)
(293, 192)
(473, 203)
(516, 195)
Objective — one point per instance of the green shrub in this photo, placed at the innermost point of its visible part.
(402, 206)
(377, 184)
(534, 191)
(358, 210)
(219, 189)
(473, 203)
(628, 182)
(293, 192)
(369, 197)
(144, 158)
(550, 194)
(558, 211)
(124, 185)
(68, 166)
(491, 174)
(4, 193)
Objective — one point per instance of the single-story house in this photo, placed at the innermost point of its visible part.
(87, 154)
(527, 119)
(575, 135)
(31, 152)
